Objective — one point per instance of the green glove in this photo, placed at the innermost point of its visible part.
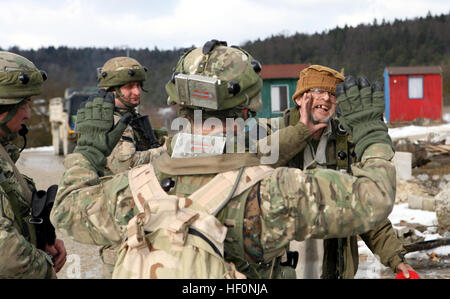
(362, 107)
(98, 135)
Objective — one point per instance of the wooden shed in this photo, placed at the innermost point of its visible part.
(279, 84)
(413, 92)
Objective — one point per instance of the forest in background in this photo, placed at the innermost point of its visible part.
(365, 49)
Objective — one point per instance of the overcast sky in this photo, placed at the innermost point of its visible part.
(169, 24)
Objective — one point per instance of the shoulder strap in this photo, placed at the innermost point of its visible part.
(26, 190)
(204, 165)
(212, 195)
(342, 152)
(144, 184)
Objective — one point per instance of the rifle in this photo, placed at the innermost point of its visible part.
(143, 126)
(424, 245)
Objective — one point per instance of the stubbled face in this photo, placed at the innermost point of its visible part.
(323, 106)
(131, 93)
(15, 124)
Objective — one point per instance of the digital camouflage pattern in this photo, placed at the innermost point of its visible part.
(12, 90)
(19, 258)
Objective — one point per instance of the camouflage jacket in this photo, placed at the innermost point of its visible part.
(19, 256)
(124, 155)
(293, 204)
(381, 240)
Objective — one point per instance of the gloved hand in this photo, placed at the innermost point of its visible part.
(98, 135)
(362, 107)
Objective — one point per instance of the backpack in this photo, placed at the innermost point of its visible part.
(176, 237)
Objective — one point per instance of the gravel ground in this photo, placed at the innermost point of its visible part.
(45, 168)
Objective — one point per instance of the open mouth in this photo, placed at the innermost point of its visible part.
(324, 108)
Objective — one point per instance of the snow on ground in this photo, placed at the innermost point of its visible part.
(402, 212)
(370, 265)
(408, 131)
(446, 117)
(40, 149)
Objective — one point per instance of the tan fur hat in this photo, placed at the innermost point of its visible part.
(317, 76)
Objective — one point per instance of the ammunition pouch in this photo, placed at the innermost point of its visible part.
(41, 206)
(147, 139)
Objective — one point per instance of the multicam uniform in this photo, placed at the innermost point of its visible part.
(294, 205)
(288, 204)
(19, 256)
(115, 73)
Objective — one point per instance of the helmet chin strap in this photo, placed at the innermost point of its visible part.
(23, 132)
(119, 96)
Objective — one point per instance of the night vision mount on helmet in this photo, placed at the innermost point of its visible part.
(216, 77)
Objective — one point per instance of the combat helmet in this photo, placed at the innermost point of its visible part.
(119, 71)
(220, 80)
(19, 80)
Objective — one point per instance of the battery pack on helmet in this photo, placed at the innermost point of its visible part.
(198, 91)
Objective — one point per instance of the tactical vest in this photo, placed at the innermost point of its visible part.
(339, 153)
(232, 216)
(339, 156)
(185, 184)
(178, 236)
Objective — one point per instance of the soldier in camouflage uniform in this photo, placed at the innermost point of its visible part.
(125, 77)
(330, 147)
(287, 205)
(20, 257)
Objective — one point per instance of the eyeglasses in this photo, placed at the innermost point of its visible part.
(319, 91)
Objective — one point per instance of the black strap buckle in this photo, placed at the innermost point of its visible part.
(209, 46)
(292, 259)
